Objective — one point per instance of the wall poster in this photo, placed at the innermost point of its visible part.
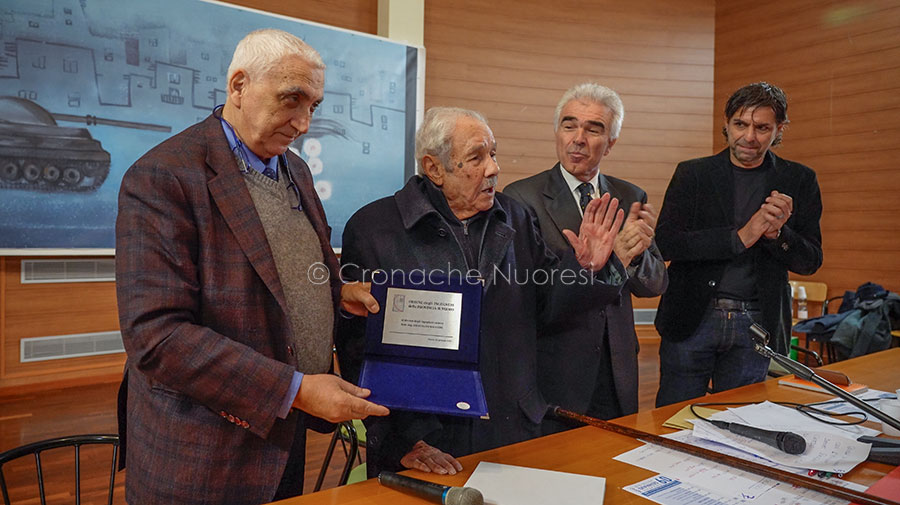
(88, 86)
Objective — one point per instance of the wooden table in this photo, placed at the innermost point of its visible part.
(590, 450)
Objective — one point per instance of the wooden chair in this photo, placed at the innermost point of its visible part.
(75, 441)
(817, 293)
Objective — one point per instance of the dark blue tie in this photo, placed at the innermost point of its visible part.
(268, 172)
(585, 188)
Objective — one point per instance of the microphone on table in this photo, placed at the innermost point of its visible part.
(786, 441)
(760, 340)
(435, 493)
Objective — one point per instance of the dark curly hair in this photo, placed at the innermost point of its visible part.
(759, 94)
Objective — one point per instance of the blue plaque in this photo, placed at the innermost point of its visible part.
(421, 350)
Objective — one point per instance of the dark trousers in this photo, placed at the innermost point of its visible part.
(292, 480)
(720, 349)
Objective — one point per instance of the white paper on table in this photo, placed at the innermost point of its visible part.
(517, 485)
(688, 437)
(829, 450)
(719, 481)
(771, 416)
(839, 406)
(667, 491)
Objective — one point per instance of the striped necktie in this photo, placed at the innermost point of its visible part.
(585, 188)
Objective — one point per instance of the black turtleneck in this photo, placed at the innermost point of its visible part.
(739, 279)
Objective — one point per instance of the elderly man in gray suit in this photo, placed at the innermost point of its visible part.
(588, 363)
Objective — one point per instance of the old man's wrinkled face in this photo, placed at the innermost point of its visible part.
(276, 107)
(470, 182)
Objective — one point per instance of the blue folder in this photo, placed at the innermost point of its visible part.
(419, 378)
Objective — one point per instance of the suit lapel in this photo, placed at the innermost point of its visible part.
(497, 237)
(774, 180)
(721, 181)
(232, 198)
(560, 203)
(604, 186)
(308, 201)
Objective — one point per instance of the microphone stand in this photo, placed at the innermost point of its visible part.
(856, 497)
(805, 373)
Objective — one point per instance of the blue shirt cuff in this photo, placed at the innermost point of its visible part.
(291, 394)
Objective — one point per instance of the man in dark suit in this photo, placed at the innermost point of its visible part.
(588, 363)
(732, 225)
(227, 328)
(449, 220)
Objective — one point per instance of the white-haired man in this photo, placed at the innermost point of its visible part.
(228, 341)
(588, 363)
(449, 219)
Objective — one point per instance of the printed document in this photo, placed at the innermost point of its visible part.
(684, 479)
(422, 318)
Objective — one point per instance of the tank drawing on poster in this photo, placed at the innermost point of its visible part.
(39, 155)
(88, 86)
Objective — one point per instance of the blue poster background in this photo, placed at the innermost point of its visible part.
(130, 74)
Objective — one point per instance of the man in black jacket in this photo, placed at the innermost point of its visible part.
(449, 219)
(588, 363)
(733, 225)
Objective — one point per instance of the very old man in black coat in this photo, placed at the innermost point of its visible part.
(450, 219)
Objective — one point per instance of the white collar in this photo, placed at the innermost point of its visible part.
(573, 183)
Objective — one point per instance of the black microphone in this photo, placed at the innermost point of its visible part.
(786, 441)
(435, 493)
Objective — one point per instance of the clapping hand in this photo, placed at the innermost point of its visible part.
(596, 237)
(637, 234)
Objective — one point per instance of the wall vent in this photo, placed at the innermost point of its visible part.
(644, 316)
(70, 346)
(69, 270)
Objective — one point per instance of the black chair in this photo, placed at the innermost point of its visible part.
(346, 433)
(824, 339)
(808, 353)
(75, 441)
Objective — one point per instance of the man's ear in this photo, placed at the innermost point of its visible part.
(433, 169)
(610, 146)
(779, 129)
(236, 86)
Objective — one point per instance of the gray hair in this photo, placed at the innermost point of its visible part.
(593, 92)
(435, 136)
(261, 50)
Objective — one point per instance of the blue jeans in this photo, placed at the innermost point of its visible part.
(720, 349)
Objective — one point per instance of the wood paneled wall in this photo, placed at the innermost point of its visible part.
(513, 59)
(40, 310)
(359, 15)
(32, 310)
(839, 64)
